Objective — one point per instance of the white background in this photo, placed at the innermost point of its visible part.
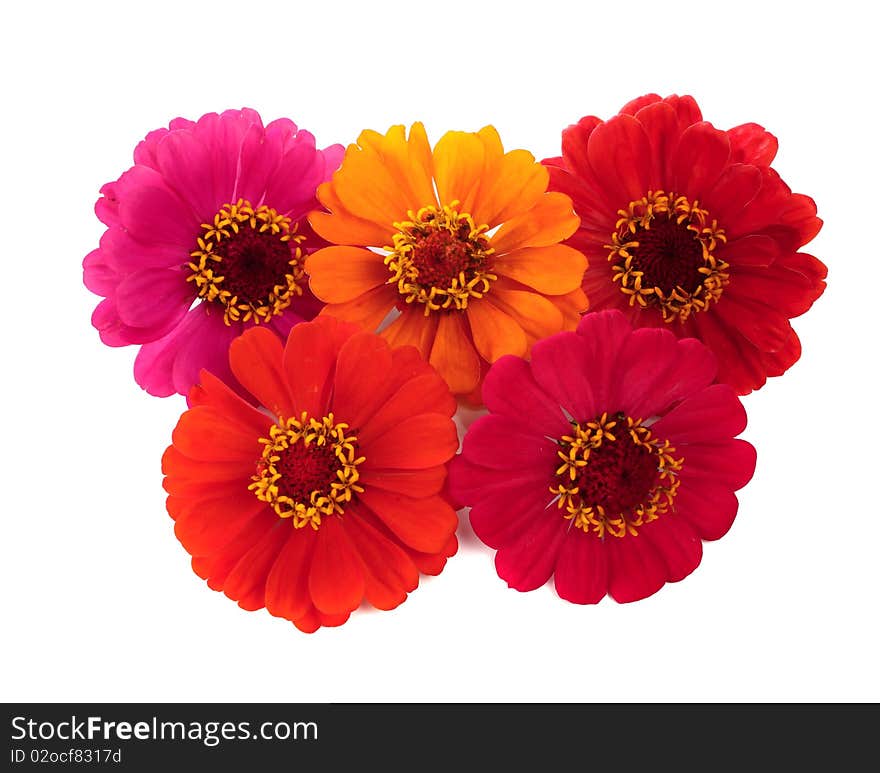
(99, 601)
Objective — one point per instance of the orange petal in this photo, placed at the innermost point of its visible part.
(534, 313)
(408, 161)
(340, 274)
(341, 227)
(423, 524)
(205, 526)
(550, 221)
(255, 358)
(246, 583)
(412, 328)
(458, 167)
(516, 185)
(573, 306)
(368, 310)
(551, 270)
(453, 354)
(495, 333)
(367, 189)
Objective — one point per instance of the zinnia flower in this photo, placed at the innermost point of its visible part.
(206, 237)
(330, 495)
(688, 227)
(604, 462)
(463, 241)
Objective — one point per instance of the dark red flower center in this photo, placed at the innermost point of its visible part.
(441, 256)
(615, 476)
(619, 475)
(308, 469)
(440, 259)
(663, 255)
(253, 263)
(249, 261)
(669, 255)
(305, 469)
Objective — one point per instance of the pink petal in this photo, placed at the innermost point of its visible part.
(152, 213)
(154, 298)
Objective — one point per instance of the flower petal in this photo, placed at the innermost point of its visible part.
(424, 524)
(255, 358)
(635, 569)
(423, 440)
(551, 220)
(340, 274)
(453, 354)
(287, 586)
(494, 332)
(336, 576)
(553, 270)
(714, 413)
(527, 562)
(582, 568)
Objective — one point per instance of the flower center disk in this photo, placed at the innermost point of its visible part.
(614, 476)
(662, 254)
(440, 259)
(249, 261)
(308, 469)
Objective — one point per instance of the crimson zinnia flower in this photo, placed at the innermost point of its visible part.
(206, 237)
(330, 495)
(688, 227)
(605, 461)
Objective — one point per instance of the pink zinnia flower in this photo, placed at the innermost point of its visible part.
(206, 236)
(604, 462)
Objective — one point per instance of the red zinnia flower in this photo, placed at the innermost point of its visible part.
(604, 461)
(328, 497)
(688, 227)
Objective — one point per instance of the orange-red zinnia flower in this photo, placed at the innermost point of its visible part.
(462, 240)
(328, 497)
(688, 227)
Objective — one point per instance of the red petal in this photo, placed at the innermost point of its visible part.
(246, 583)
(287, 586)
(510, 390)
(204, 526)
(677, 543)
(752, 144)
(336, 577)
(620, 156)
(389, 573)
(702, 154)
(504, 514)
(635, 568)
(255, 357)
(497, 442)
(211, 391)
(730, 463)
(207, 435)
(709, 507)
(422, 394)
(420, 441)
(660, 123)
(526, 563)
(361, 372)
(310, 360)
(582, 568)
(714, 413)
(424, 524)
(412, 483)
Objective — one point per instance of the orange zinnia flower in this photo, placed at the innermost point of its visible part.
(462, 240)
(328, 497)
